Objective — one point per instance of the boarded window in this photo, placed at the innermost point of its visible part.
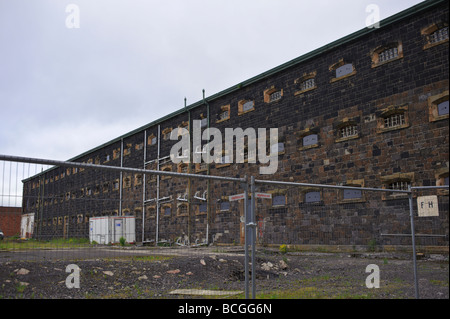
(279, 200)
(248, 106)
(203, 208)
(352, 194)
(167, 211)
(443, 108)
(310, 140)
(344, 70)
(312, 197)
(224, 206)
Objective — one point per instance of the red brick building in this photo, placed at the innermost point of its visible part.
(10, 220)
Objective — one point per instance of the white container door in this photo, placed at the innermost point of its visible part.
(118, 229)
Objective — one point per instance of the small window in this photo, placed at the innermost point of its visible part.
(311, 139)
(439, 35)
(443, 108)
(272, 95)
(344, 70)
(312, 197)
(306, 83)
(279, 200)
(224, 114)
(204, 122)
(224, 206)
(127, 182)
(203, 208)
(248, 106)
(438, 107)
(275, 96)
(167, 211)
(166, 134)
(352, 194)
(394, 120)
(151, 140)
(399, 185)
(435, 34)
(182, 209)
(386, 53)
(245, 106)
(348, 131)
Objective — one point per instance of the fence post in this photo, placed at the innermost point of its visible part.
(246, 238)
(253, 233)
(413, 237)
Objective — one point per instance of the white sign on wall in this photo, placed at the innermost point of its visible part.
(427, 206)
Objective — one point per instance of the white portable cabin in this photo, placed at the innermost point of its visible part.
(109, 229)
(27, 226)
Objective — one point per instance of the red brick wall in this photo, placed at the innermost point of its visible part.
(10, 220)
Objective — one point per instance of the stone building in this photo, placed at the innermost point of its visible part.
(369, 110)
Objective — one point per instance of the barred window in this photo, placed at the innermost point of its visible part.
(348, 131)
(394, 120)
(182, 209)
(275, 96)
(224, 115)
(439, 35)
(308, 84)
(388, 54)
(399, 185)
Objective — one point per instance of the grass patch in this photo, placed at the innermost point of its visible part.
(19, 244)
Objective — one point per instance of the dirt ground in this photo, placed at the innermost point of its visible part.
(159, 273)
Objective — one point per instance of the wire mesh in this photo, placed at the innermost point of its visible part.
(137, 235)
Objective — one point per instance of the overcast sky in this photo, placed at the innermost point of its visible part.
(66, 90)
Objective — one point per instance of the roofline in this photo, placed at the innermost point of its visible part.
(422, 6)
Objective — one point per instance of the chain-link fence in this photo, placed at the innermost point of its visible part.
(170, 231)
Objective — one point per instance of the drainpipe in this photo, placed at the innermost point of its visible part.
(157, 187)
(189, 171)
(208, 209)
(143, 187)
(121, 178)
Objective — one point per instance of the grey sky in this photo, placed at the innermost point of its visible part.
(64, 91)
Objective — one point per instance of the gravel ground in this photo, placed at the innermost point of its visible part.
(156, 274)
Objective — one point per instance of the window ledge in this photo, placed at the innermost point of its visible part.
(389, 129)
(223, 120)
(343, 77)
(343, 139)
(303, 148)
(375, 65)
(245, 112)
(430, 45)
(304, 91)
